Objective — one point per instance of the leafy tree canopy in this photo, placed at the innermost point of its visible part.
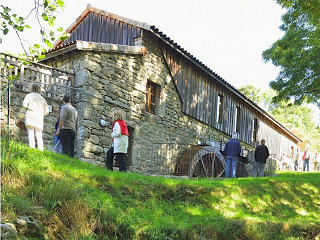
(252, 92)
(297, 52)
(45, 12)
(259, 97)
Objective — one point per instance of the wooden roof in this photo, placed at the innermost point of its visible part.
(95, 25)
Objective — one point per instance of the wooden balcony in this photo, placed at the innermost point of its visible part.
(54, 82)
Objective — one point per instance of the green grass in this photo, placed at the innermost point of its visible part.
(77, 200)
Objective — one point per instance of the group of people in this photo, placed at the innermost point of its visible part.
(232, 151)
(66, 127)
(300, 161)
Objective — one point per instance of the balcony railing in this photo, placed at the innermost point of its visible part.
(54, 82)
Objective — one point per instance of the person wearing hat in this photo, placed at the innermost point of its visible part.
(261, 154)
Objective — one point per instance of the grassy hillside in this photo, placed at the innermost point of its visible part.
(76, 200)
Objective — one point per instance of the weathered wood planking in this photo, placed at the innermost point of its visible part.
(199, 93)
(98, 28)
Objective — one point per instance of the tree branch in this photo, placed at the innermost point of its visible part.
(20, 40)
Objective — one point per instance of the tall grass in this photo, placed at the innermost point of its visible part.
(76, 200)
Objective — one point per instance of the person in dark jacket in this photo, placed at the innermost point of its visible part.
(261, 154)
(68, 125)
(232, 152)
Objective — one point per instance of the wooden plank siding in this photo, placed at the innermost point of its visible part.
(279, 144)
(94, 27)
(199, 94)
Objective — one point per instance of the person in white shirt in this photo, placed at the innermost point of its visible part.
(119, 146)
(36, 108)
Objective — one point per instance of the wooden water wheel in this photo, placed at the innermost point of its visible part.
(201, 160)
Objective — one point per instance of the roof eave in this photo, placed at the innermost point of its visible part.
(187, 55)
(93, 46)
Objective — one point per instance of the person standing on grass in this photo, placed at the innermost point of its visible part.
(306, 158)
(232, 152)
(296, 160)
(120, 138)
(316, 162)
(57, 143)
(261, 155)
(68, 125)
(56, 138)
(36, 108)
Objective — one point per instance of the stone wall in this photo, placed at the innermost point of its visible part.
(106, 80)
(17, 118)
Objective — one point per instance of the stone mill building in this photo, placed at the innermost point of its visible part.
(171, 100)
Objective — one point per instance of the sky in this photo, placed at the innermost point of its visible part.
(228, 36)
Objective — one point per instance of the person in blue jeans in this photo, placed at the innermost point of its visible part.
(261, 154)
(232, 151)
(68, 125)
(306, 158)
(56, 138)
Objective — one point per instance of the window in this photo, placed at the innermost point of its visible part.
(220, 108)
(152, 96)
(237, 120)
(255, 129)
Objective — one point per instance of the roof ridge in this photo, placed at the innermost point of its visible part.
(106, 14)
(118, 17)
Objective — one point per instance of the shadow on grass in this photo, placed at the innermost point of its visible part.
(77, 200)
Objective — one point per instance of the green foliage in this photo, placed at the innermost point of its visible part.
(260, 97)
(252, 92)
(47, 12)
(267, 97)
(76, 200)
(301, 117)
(297, 52)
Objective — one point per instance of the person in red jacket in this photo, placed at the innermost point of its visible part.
(119, 146)
(306, 158)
